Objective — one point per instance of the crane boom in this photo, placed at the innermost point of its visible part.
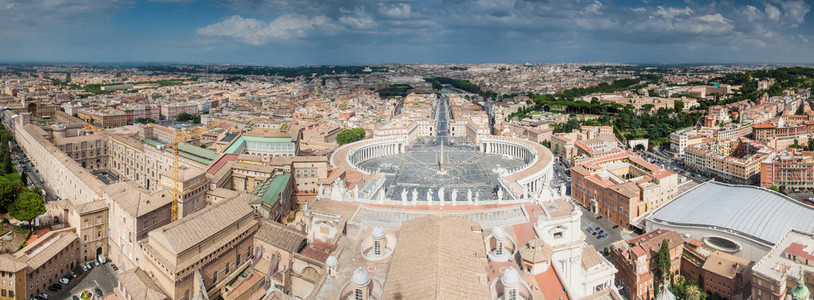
(174, 216)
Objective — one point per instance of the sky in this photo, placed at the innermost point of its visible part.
(316, 32)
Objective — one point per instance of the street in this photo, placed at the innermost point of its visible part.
(102, 277)
(17, 155)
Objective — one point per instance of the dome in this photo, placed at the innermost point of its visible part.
(536, 251)
(331, 261)
(378, 231)
(360, 277)
(800, 292)
(498, 232)
(510, 277)
(665, 293)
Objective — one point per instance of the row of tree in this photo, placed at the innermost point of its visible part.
(15, 197)
(348, 136)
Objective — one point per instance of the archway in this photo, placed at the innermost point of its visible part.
(639, 147)
(32, 108)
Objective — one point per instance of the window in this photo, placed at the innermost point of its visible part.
(377, 248)
(359, 294)
(512, 294)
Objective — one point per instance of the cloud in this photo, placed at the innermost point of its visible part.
(255, 32)
(398, 11)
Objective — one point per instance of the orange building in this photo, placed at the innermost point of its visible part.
(637, 262)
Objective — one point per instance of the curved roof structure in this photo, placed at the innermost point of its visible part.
(748, 210)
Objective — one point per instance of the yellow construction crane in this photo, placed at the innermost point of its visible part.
(175, 158)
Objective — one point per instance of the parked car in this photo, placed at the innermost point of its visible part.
(598, 228)
(615, 226)
(98, 292)
(43, 296)
(589, 229)
(115, 268)
(64, 280)
(53, 289)
(72, 274)
(594, 233)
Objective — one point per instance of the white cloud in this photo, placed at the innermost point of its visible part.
(256, 32)
(399, 11)
(772, 12)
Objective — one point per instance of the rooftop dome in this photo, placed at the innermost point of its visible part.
(510, 277)
(378, 231)
(800, 292)
(665, 293)
(498, 232)
(360, 277)
(536, 251)
(331, 261)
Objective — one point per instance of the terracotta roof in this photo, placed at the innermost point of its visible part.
(283, 237)
(724, 264)
(590, 257)
(138, 285)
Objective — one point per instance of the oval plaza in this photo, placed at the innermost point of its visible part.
(439, 152)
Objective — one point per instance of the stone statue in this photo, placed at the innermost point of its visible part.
(429, 197)
(477, 197)
(415, 196)
(499, 195)
(562, 190)
(454, 195)
(525, 193)
(355, 192)
(441, 195)
(381, 195)
(404, 195)
(468, 196)
(321, 189)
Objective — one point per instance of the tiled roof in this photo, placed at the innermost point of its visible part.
(283, 237)
(438, 258)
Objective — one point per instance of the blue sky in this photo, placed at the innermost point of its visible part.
(297, 32)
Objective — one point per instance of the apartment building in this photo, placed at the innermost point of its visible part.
(737, 160)
(717, 272)
(105, 118)
(90, 151)
(47, 259)
(791, 169)
(171, 111)
(787, 271)
(12, 278)
(622, 187)
(134, 211)
(133, 112)
(766, 131)
(214, 243)
(192, 185)
(637, 262)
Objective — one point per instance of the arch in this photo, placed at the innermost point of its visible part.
(310, 273)
(32, 108)
(639, 147)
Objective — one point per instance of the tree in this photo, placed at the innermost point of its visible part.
(7, 193)
(145, 120)
(27, 206)
(664, 261)
(350, 135)
(184, 116)
(692, 292)
(678, 105)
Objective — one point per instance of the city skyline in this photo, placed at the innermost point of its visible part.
(369, 32)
